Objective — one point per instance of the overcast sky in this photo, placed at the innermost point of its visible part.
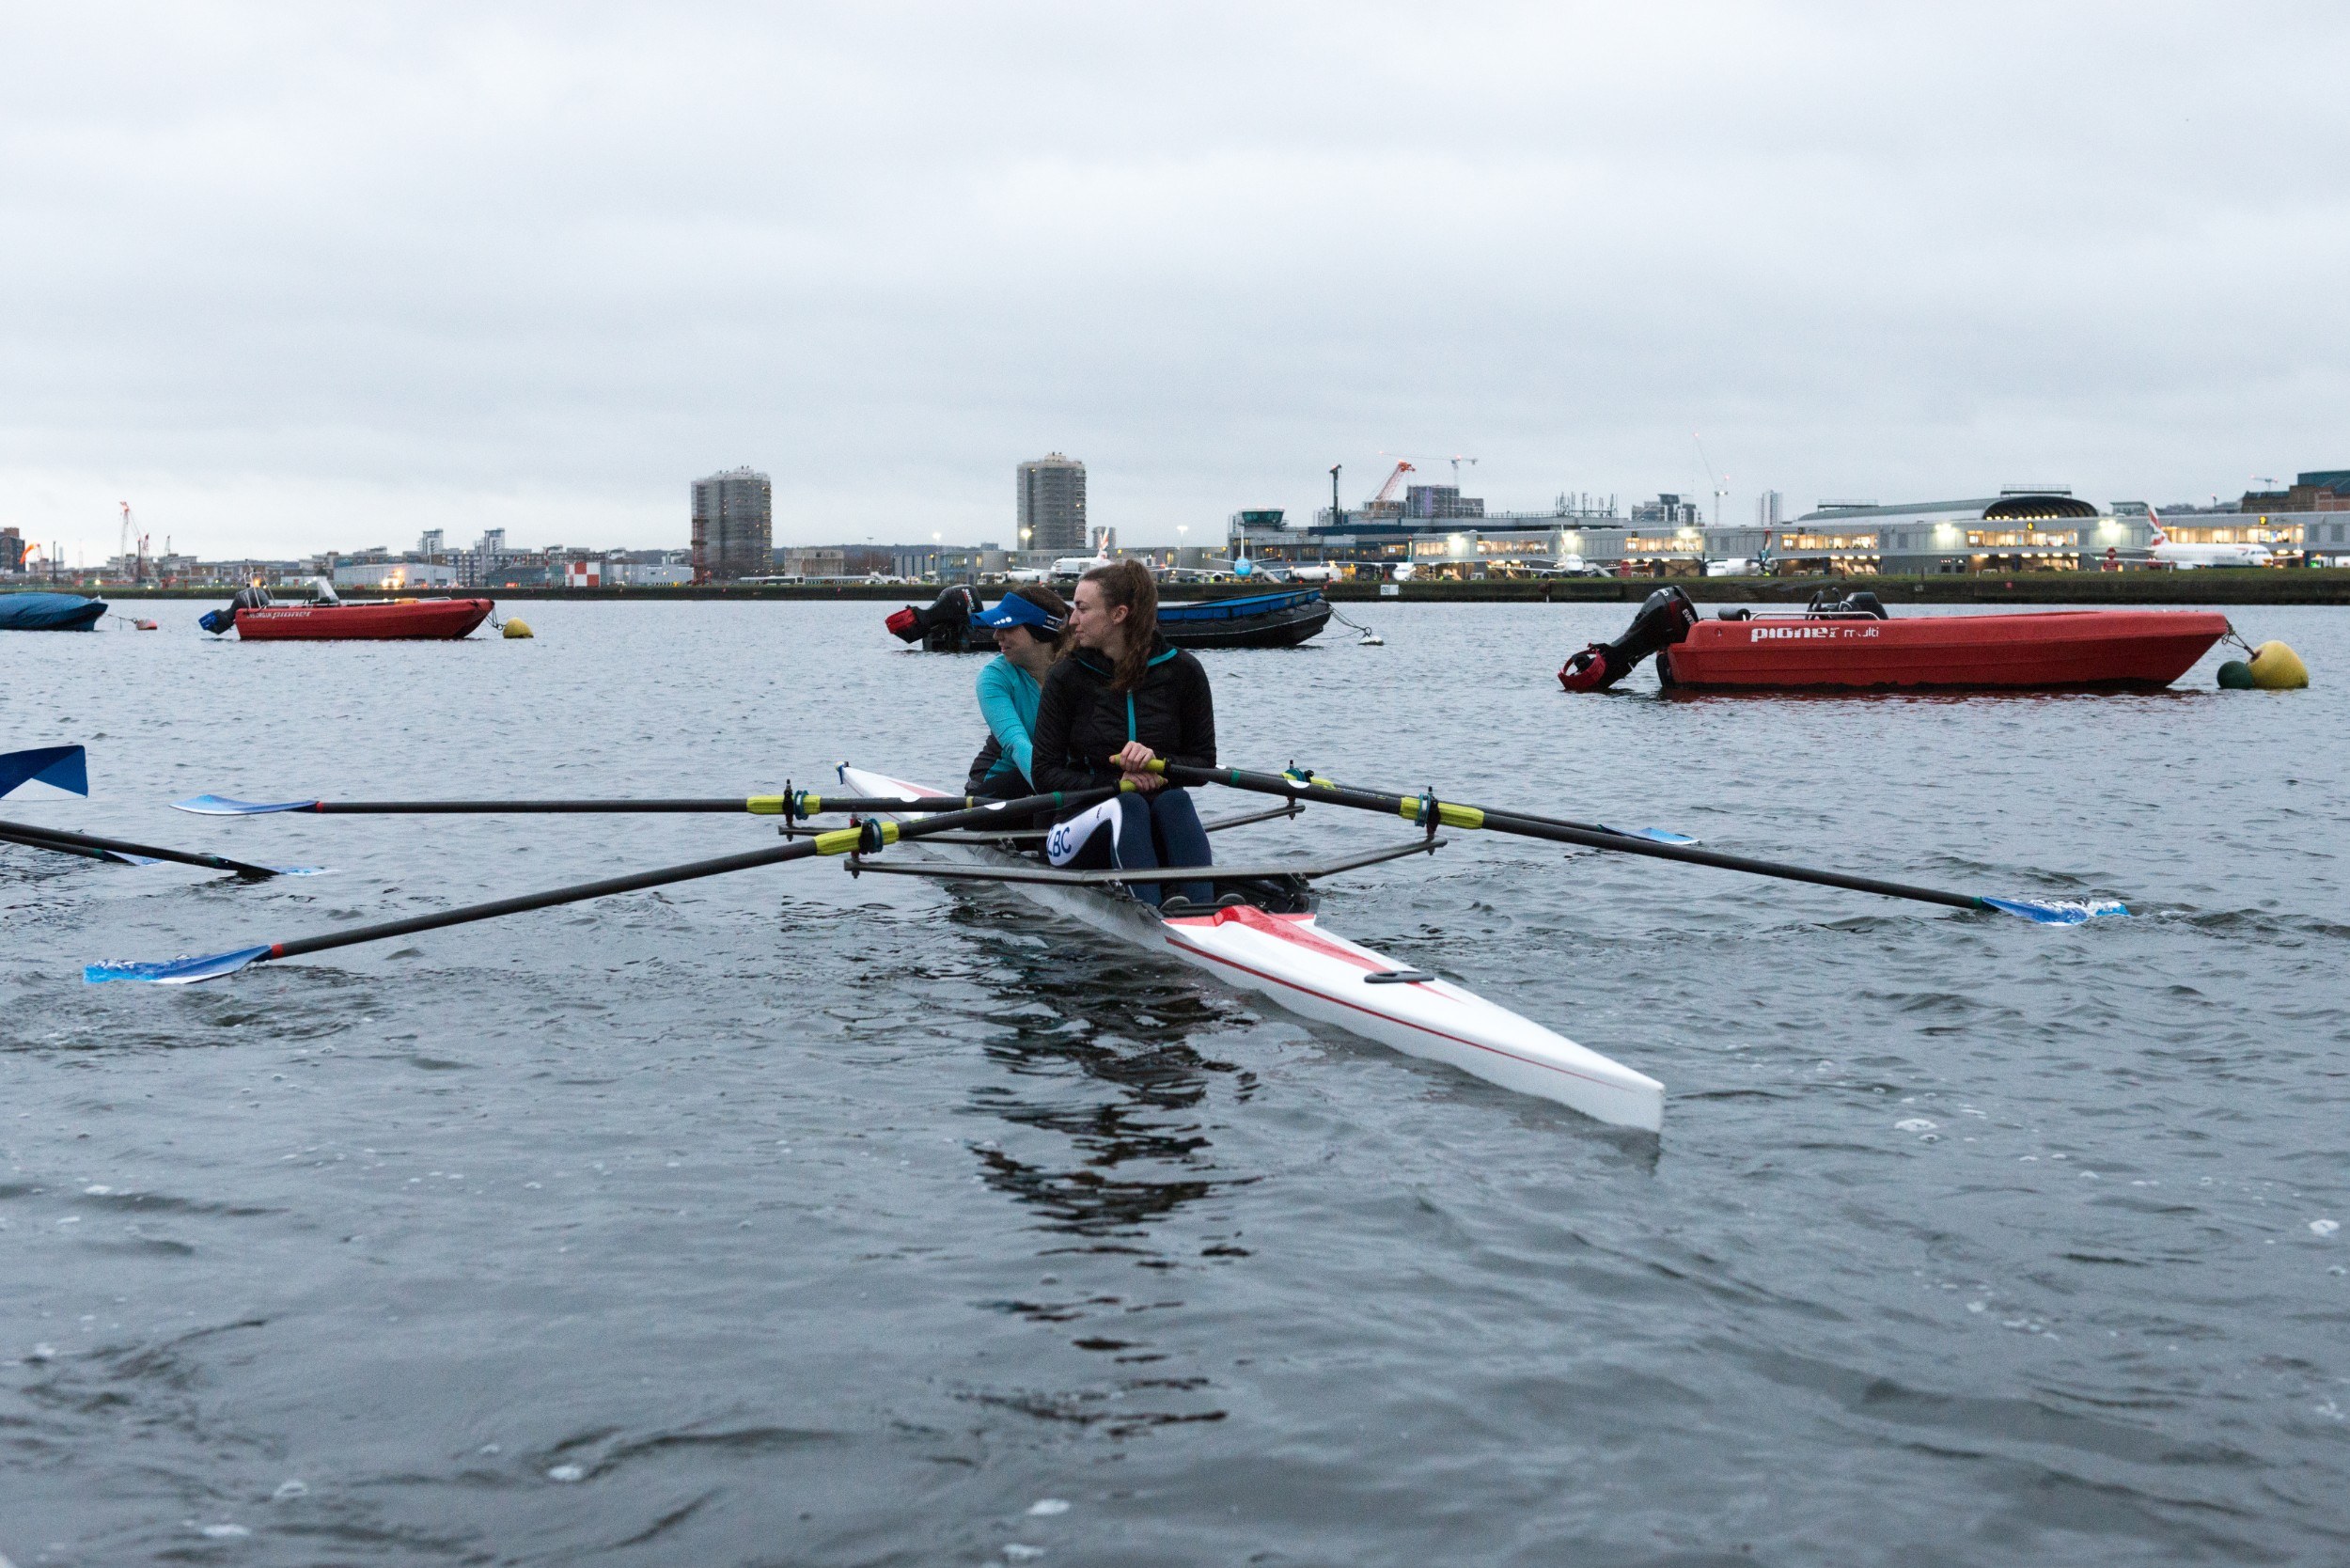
(300, 276)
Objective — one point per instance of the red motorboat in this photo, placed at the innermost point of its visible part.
(1854, 644)
(393, 619)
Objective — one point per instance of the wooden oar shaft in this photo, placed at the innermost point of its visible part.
(1452, 814)
(842, 842)
(89, 843)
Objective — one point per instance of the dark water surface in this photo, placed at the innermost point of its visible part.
(791, 1218)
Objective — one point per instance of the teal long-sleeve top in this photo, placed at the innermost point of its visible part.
(1008, 700)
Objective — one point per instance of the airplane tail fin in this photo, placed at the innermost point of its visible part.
(2154, 520)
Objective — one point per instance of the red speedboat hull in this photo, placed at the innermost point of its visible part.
(438, 619)
(2051, 651)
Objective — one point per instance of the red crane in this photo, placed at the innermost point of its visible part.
(1387, 492)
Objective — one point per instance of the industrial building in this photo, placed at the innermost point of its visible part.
(734, 518)
(2025, 528)
(1052, 495)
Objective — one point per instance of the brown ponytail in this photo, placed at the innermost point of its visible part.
(1130, 583)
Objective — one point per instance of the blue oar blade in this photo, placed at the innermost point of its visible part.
(66, 767)
(175, 971)
(1653, 834)
(295, 870)
(2057, 912)
(221, 805)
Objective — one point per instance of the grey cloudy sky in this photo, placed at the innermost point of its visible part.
(293, 276)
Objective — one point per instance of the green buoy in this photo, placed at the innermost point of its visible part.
(2235, 676)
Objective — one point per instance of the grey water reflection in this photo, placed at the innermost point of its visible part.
(1133, 1116)
(1098, 1054)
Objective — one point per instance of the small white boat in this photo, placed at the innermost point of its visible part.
(1287, 957)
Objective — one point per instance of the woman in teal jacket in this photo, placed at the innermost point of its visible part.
(1027, 624)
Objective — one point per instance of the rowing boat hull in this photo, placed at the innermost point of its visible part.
(1292, 961)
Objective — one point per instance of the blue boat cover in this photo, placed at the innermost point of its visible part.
(49, 612)
(1232, 610)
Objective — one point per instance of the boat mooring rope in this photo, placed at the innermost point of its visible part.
(1370, 638)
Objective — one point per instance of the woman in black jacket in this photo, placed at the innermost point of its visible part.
(1118, 697)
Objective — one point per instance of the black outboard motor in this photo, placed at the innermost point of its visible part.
(945, 627)
(252, 596)
(1860, 603)
(1664, 620)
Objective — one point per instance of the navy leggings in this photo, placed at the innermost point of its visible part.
(1157, 829)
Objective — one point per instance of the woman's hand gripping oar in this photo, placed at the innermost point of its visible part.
(866, 837)
(1428, 812)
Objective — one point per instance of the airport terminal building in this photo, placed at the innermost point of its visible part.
(2031, 529)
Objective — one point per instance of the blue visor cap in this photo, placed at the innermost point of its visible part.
(1012, 610)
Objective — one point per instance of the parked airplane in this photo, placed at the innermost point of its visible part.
(2186, 558)
(1077, 566)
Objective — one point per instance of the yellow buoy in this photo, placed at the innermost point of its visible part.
(522, 629)
(2277, 668)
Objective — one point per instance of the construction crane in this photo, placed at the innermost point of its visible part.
(1457, 460)
(1387, 492)
(1720, 493)
(123, 553)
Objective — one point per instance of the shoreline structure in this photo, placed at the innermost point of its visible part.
(2211, 586)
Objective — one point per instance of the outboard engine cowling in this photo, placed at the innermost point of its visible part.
(1862, 603)
(945, 626)
(1665, 619)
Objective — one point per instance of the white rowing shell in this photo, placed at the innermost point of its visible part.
(1294, 961)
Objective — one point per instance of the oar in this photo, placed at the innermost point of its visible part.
(796, 804)
(1427, 811)
(63, 767)
(137, 855)
(871, 835)
(111, 856)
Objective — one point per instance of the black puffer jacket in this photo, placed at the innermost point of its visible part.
(1081, 723)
